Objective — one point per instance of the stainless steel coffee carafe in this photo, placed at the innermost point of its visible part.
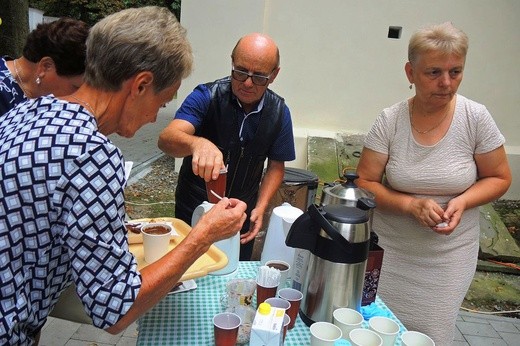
(337, 237)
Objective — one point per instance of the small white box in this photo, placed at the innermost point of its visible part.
(267, 328)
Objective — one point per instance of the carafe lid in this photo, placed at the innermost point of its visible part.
(348, 190)
(343, 214)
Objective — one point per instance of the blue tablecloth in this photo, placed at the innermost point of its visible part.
(186, 318)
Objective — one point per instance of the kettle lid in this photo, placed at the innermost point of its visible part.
(348, 190)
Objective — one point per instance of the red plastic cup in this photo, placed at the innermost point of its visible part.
(225, 328)
(294, 297)
(286, 323)
(218, 186)
(278, 303)
(262, 293)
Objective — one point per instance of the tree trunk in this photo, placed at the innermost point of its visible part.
(15, 26)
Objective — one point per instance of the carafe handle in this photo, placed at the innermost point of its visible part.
(317, 216)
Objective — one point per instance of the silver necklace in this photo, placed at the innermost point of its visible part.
(20, 79)
(86, 104)
(433, 128)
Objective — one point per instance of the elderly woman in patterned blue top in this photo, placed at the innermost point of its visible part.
(61, 184)
(53, 62)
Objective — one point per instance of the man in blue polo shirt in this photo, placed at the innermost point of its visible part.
(238, 123)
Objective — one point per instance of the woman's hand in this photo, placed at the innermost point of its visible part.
(452, 215)
(426, 211)
(430, 214)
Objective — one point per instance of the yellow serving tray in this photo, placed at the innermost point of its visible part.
(213, 260)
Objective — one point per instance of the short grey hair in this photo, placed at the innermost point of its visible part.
(134, 40)
(444, 38)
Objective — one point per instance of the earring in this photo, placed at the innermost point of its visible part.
(410, 87)
(38, 80)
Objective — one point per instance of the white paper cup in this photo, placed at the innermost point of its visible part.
(364, 337)
(324, 334)
(347, 319)
(386, 328)
(413, 338)
(155, 245)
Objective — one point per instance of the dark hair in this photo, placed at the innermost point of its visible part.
(62, 40)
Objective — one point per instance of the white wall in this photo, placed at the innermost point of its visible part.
(339, 68)
(35, 18)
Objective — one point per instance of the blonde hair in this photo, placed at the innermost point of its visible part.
(134, 40)
(444, 37)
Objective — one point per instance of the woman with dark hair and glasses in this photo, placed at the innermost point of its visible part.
(235, 123)
(52, 62)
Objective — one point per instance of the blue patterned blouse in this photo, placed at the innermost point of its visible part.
(61, 218)
(10, 92)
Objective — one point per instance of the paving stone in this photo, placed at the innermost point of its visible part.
(505, 327)
(73, 342)
(460, 343)
(132, 331)
(477, 329)
(481, 341)
(474, 318)
(126, 341)
(458, 335)
(88, 332)
(57, 332)
(512, 339)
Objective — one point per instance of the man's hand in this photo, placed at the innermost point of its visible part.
(207, 159)
(256, 218)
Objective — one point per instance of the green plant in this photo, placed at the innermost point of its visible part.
(91, 11)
